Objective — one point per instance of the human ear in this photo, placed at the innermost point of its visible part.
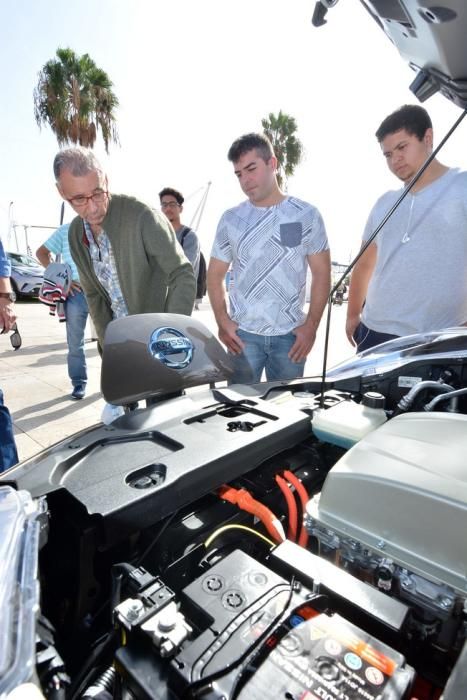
(60, 190)
(428, 138)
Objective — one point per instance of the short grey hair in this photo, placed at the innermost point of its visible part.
(78, 161)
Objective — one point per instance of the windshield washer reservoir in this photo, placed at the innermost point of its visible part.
(347, 422)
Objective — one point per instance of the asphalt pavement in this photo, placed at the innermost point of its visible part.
(37, 389)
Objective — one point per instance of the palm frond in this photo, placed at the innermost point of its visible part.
(281, 131)
(75, 98)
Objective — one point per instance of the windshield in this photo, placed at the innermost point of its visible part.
(24, 259)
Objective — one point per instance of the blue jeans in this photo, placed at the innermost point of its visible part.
(269, 352)
(76, 310)
(8, 453)
(366, 338)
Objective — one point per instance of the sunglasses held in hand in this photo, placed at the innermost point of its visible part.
(15, 337)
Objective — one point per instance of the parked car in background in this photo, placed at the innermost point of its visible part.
(27, 274)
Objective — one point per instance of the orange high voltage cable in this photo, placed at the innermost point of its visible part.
(246, 502)
(304, 498)
(292, 508)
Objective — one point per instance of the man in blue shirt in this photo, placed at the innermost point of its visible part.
(76, 310)
(8, 453)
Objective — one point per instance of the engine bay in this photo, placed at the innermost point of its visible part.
(297, 540)
(255, 541)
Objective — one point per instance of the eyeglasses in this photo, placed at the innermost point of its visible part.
(165, 205)
(82, 200)
(15, 337)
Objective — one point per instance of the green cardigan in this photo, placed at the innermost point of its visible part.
(153, 272)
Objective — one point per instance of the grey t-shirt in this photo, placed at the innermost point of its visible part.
(190, 244)
(420, 279)
(268, 249)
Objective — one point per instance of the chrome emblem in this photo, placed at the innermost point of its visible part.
(166, 342)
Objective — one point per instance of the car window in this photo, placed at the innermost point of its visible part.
(23, 259)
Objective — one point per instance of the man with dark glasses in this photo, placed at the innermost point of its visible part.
(8, 453)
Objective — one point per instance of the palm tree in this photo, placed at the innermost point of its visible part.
(280, 130)
(75, 98)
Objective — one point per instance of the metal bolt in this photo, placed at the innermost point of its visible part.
(134, 609)
(381, 544)
(444, 602)
(407, 583)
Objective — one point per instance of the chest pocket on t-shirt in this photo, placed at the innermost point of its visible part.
(291, 234)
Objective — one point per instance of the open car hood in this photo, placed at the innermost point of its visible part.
(431, 38)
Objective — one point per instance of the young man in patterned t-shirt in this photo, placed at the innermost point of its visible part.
(269, 241)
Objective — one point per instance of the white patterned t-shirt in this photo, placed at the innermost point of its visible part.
(268, 249)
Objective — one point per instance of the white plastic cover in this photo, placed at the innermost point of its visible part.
(402, 491)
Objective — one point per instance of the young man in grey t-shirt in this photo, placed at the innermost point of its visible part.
(413, 277)
(269, 241)
(172, 206)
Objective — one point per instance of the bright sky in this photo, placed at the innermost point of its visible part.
(193, 75)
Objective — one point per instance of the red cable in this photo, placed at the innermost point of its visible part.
(245, 501)
(292, 508)
(304, 498)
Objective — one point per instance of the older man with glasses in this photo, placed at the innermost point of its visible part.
(126, 253)
(8, 453)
